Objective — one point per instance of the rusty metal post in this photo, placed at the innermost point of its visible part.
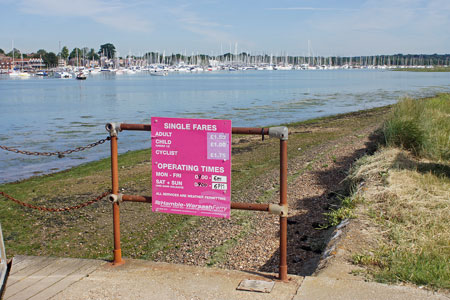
(113, 128)
(282, 209)
(283, 218)
(116, 211)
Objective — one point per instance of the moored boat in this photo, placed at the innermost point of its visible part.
(62, 74)
(158, 73)
(15, 74)
(81, 76)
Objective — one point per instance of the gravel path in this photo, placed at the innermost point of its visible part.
(249, 240)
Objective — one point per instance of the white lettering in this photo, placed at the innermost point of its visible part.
(212, 169)
(164, 142)
(206, 127)
(166, 152)
(165, 134)
(177, 167)
(178, 126)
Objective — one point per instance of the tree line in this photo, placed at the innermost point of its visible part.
(108, 50)
(51, 59)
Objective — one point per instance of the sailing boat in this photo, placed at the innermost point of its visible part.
(13, 72)
(80, 75)
(20, 74)
(23, 74)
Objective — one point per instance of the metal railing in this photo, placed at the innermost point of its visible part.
(280, 209)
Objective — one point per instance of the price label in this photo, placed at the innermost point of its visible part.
(218, 145)
(217, 178)
(218, 136)
(219, 186)
(216, 155)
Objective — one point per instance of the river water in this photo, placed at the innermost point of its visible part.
(48, 114)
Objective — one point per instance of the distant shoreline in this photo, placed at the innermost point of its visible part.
(434, 69)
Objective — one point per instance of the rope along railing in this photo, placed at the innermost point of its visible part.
(59, 154)
(43, 208)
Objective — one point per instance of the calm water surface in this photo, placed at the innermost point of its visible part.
(47, 114)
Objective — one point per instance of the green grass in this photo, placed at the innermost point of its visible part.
(219, 253)
(345, 210)
(426, 268)
(421, 126)
(164, 240)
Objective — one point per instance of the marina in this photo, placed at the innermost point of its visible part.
(43, 113)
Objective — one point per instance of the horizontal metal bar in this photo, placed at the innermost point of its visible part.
(234, 205)
(250, 206)
(250, 130)
(135, 198)
(235, 130)
(143, 127)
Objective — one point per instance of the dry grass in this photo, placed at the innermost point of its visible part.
(410, 200)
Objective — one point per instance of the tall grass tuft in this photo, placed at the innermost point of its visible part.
(421, 126)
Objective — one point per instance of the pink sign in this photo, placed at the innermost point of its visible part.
(191, 171)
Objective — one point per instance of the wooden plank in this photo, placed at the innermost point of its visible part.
(37, 273)
(48, 278)
(19, 259)
(20, 262)
(28, 267)
(86, 268)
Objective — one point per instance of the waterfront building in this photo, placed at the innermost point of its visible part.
(29, 64)
(62, 63)
(6, 62)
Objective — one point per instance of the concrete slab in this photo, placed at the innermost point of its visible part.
(323, 288)
(138, 279)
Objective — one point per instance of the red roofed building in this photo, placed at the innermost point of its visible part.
(5, 62)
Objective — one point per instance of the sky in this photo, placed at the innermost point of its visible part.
(302, 27)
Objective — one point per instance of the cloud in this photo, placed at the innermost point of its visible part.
(110, 13)
(380, 15)
(385, 25)
(189, 20)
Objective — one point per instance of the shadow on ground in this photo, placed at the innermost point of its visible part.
(306, 241)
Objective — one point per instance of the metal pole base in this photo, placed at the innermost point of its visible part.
(118, 258)
(283, 274)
